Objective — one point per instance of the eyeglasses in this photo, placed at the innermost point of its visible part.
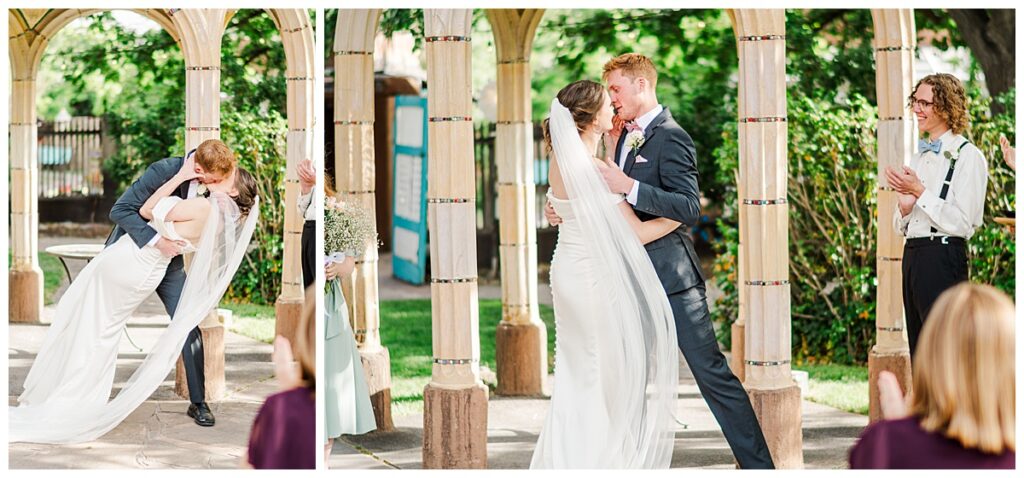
(921, 103)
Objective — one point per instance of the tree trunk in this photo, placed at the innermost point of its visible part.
(990, 35)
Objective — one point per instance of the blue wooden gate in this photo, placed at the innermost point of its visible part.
(409, 236)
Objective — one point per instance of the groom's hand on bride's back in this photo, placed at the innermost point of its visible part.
(551, 215)
(168, 247)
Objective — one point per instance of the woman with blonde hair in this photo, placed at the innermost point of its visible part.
(961, 411)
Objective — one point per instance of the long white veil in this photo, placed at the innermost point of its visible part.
(638, 343)
(220, 250)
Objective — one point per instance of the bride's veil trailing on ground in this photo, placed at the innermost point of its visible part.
(220, 250)
(637, 342)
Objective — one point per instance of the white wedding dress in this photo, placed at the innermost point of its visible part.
(616, 360)
(66, 397)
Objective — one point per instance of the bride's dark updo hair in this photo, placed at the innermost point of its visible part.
(584, 99)
(245, 183)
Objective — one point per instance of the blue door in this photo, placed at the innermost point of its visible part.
(409, 237)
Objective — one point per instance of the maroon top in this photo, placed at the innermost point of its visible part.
(284, 433)
(903, 444)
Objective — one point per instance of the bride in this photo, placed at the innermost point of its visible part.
(616, 361)
(67, 390)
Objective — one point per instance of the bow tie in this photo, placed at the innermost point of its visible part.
(925, 145)
(631, 126)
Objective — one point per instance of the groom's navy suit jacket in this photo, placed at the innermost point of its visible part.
(668, 188)
(125, 213)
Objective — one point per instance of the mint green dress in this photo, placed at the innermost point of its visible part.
(347, 402)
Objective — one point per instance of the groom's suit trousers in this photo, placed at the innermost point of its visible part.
(722, 391)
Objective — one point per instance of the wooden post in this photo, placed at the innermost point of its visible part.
(25, 276)
(298, 42)
(521, 348)
(894, 44)
(201, 34)
(356, 178)
(764, 231)
(455, 400)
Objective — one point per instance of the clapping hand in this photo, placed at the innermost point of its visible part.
(1009, 152)
(307, 176)
(904, 181)
(285, 368)
(890, 397)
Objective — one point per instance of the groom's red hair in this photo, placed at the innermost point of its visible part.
(633, 66)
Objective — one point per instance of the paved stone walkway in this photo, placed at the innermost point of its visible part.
(158, 434)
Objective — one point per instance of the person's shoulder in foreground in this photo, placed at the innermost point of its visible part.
(903, 444)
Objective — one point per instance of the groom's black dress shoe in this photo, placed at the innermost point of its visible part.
(200, 412)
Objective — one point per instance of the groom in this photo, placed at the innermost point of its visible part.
(658, 175)
(214, 162)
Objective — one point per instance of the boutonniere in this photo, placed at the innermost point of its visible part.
(201, 190)
(634, 140)
(951, 157)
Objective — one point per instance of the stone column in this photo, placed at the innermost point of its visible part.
(455, 400)
(894, 44)
(25, 276)
(521, 348)
(355, 166)
(298, 42)
(764, 231)
(201, 33)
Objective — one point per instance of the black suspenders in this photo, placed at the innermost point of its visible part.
(949, 177)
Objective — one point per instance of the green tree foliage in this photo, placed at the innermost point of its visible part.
(137, 81)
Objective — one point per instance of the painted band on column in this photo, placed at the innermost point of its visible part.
(886, 188)
(762, 37)
(513, 62)
(352, 52)
(457, 280)
(354, 122)
(891, 118)
(896, 48)
(763, 119)
(766, 363)
(507, 122)
(765, 283)
(447, 200)
(353, 193)
(764, 202)
(202, 128)
(890, 329)
(202, 68)
(299, 78)
(441, 361)
(890, 259)
(436, 119)
(449, 38)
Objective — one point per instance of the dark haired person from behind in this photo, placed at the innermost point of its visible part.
(962, 410)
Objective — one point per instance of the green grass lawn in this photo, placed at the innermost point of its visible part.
(405, 331)
(839, 386)
(254, 321)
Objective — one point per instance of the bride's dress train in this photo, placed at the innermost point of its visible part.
(67, 391)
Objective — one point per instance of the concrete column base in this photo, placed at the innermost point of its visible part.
(522, 356)
(455, 427)
(287, 312)
(213, 365)
(739, 351)
(377, 369)
(779, 412)
(896, 362)
(25, 299)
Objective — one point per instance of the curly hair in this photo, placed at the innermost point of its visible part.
(949, 98)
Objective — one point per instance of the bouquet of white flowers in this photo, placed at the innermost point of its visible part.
(348, 230)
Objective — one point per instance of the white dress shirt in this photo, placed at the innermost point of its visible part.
(960, 214)
(643, 121)
(306, 200)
